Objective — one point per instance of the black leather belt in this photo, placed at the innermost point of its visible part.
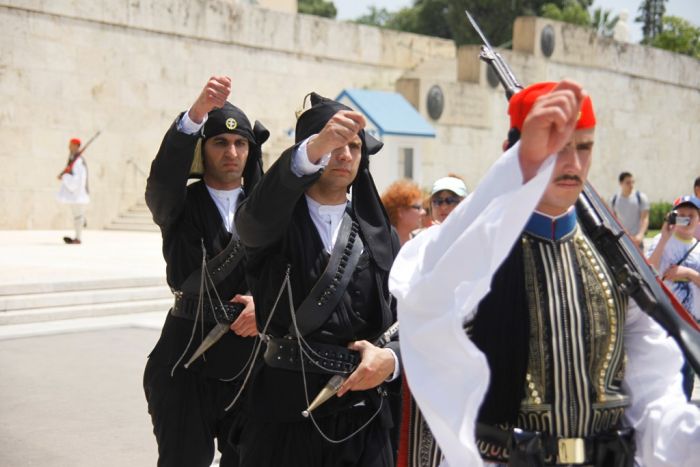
(610, 449)
(327, 358)
(185, 306)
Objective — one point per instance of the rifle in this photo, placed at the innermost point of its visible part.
(628, 265)
(69, 165)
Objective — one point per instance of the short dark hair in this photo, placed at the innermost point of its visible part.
(697, 183)
(623, 176)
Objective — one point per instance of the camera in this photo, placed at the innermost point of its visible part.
(674, 219)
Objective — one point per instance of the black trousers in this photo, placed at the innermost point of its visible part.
(299, 444)
(187, 411)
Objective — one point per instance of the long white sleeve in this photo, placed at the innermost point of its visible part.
(439, 278)
(667, 427)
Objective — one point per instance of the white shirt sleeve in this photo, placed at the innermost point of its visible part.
(438, 279)
(397, 368)
(301, 165)
(667, 427)
(187, 126)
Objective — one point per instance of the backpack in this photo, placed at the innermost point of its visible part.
(639, 201)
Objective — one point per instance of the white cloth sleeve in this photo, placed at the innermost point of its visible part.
(301, 165)
(187, 126)
(667, 427)
(439, 278)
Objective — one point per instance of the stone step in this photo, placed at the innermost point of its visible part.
(135, 218)
(39, 315)
(82, 297)
(82, 285)
(141, 227)
(141, 216)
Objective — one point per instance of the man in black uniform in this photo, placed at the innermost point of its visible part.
(294, 225)
(215, 141)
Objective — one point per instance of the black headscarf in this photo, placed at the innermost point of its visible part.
(231, 119)
(366, 204)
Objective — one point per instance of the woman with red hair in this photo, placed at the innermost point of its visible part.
(403, 201)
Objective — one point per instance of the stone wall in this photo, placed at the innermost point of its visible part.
(647, 103)
(73, 67)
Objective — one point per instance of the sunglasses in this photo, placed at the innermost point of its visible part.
(448, 200)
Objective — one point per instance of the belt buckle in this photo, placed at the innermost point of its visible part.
(571, 451)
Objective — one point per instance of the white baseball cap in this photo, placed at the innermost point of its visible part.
(453, 184)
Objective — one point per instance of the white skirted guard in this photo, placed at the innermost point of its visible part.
(440, 277)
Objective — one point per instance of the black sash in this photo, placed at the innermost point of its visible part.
(329, 289)
(219, 267)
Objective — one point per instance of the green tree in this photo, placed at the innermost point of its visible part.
(651, 13)
(495, 18)
(446, 18)
(571, 12)
(678, 35)
(375, 17)
(317, 7)
(577, 12)
(603, 22)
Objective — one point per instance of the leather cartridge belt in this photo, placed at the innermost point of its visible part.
(614, 448)
(283, 352)
(185, 306)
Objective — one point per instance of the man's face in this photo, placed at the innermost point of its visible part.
(225, 156)
(73, 147)
(343, 166)
(442, 204)
(687, 231)
(569, 175)
(627, 185)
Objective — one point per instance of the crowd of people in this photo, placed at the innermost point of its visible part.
(517, 344)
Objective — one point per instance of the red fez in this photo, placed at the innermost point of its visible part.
(75, 141)
(521, 103)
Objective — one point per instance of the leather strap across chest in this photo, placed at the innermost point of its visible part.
(330, 287)
(218, 267)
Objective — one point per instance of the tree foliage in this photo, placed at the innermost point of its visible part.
(577, 12)
(651, 14)
(678, 35)
(317, 7)
(375, 17)
(571, 12)
(446, 18)
(603, 22)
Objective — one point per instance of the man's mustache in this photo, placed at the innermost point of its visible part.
(573, 178)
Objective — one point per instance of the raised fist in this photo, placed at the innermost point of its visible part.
(213, 96)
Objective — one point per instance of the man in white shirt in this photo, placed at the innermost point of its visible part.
(318, 266)
(188, 396)
(74, 189)
(675, 254)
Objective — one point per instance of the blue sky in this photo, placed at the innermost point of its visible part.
(688, 9)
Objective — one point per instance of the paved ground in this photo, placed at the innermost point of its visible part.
(70, 391)
(38, 256)
(76, 400)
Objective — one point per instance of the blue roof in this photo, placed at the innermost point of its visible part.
(390, 112)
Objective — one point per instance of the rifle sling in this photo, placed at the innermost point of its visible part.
(330, 287)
